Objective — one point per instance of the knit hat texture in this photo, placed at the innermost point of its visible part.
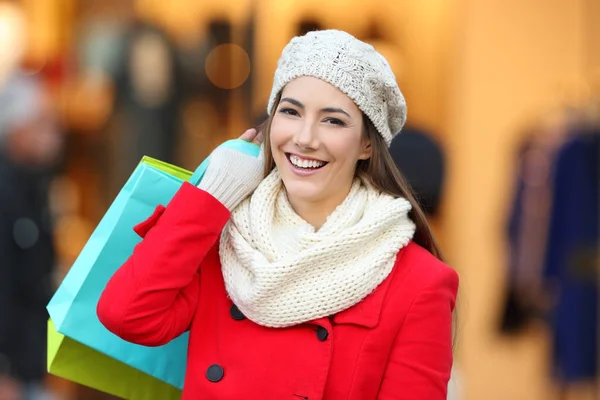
(352, 66)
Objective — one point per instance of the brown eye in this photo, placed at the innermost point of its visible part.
(288, 111)
(335, 121)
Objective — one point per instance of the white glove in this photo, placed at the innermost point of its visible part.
(232, 176)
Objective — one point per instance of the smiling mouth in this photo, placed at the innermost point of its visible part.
(304, 164)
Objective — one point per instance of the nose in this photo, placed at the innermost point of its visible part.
(306, 137)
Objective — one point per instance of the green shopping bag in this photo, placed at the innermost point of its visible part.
(76, 362)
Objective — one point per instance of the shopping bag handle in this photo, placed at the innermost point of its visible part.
(237, 144)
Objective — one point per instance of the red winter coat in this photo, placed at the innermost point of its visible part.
(395, 344)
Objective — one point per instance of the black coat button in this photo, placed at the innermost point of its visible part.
(322, 334)
(236, 313)
(215, 373)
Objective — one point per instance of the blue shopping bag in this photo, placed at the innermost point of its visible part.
(73, 306)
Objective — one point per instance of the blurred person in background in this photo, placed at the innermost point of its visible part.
(30, 147)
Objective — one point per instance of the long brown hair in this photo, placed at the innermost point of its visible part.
(383, 174)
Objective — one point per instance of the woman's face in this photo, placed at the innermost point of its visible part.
(316, 138)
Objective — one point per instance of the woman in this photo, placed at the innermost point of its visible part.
(313, 279)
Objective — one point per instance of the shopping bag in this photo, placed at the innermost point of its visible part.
(78, 363)
(73, 306)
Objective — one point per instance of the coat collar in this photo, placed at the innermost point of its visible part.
(367, 312)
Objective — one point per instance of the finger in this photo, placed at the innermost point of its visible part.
(249, 135)
(259, 139)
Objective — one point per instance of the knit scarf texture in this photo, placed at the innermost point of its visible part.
(280, 272)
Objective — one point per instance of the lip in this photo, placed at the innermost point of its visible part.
(300, 171)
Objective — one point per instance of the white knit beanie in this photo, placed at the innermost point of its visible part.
(352, 66)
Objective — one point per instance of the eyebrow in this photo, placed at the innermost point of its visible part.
(326, 109)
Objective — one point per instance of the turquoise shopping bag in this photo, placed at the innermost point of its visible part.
(73, 306)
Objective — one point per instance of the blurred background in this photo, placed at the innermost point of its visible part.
(502, 146)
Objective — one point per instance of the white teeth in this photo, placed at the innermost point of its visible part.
(302, 163)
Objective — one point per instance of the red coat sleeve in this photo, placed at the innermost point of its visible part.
(151, 298)
(421, 359)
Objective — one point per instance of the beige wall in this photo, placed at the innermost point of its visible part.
(592, 34)
(511, 58)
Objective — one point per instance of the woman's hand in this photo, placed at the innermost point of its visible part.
(232, 176)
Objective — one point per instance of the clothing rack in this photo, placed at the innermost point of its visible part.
(575, 122)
